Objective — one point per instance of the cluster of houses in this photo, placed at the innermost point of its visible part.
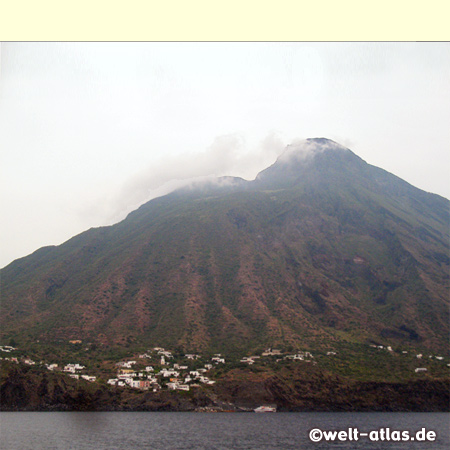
(173, 376)
(418, 356)
(176, 377)
(404, 352)
(307, 356)
(300, 356)
(424, 369)
(73, 370)
(382, 347)
(8, 349)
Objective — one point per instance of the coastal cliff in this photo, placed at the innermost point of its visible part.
(29, 389)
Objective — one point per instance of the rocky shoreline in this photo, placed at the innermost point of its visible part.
(24, 390)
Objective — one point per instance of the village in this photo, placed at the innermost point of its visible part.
(158, 369)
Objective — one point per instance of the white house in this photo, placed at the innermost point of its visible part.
(247, 360)
(88, 378)
(218, 359)
(72, 368)
(181, 367)
(126, 364)
(206, 380)
(134, 383)
(271, 352)
(125, 376)
(7, 348)
(169, 373)
(297, 357)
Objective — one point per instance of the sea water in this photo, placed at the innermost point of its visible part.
(209, 431)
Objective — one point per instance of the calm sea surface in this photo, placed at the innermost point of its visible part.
(198, 431)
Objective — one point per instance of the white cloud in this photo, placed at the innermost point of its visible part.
(305, 149)
(229, 155)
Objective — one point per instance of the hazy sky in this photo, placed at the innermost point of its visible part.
(89, 131)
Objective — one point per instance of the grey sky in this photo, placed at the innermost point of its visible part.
(89, 131)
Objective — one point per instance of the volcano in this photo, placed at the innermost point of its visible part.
(321, 247)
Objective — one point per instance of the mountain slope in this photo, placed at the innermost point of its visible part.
(321, 247)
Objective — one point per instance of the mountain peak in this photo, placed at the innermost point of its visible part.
(301, 158)
(306, 149)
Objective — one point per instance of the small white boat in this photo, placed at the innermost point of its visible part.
(262, 409)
